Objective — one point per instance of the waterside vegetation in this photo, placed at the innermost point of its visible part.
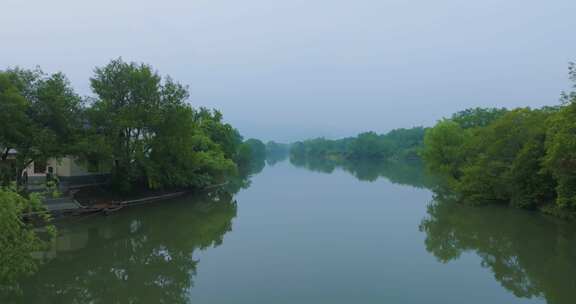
(138, 124)
(524, 157)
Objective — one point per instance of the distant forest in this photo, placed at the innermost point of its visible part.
(398, 144)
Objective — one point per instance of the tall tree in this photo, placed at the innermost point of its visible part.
(128, 106)
(154, 137)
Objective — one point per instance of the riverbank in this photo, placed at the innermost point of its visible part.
(100, 199)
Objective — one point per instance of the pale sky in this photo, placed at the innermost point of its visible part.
(287, 70)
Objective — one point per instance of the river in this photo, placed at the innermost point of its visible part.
(311, 233)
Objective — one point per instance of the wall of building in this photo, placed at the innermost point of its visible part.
(61, 168)
(67, 167)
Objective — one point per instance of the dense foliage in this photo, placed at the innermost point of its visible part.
(522, 157)
(151, 135)
(256, 147)
(39, 118)
(396, 144)
(18, 239)
(139, 125)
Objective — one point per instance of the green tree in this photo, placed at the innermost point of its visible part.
(129, 106)
(561, 154)
(252, 156)
(226, 136)
(369, 145)
(18, 239)
(398, 144)
(40, 117)
(496, 162)
(276, 152)
(477, 117)
(500, 170)
(257, 148)
(14, 124)
(153, 137)
(182, 155)
(444, 151)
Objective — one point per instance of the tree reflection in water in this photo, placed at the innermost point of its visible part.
(144, 255)
(529, 254)
(398, 172)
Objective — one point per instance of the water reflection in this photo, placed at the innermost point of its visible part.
(141, 256)
(145, 255)
(409, 173)
(243, 180)
(529, 254)
(277, 156)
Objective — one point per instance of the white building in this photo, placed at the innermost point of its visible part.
(68, 169)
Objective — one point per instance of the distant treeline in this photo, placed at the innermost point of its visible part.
(398, 144)
(523, 157)
(276, 152)
(255, 154)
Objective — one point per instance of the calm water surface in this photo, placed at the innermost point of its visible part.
(311, 234)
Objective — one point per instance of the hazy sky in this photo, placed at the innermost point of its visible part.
(285, 70)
